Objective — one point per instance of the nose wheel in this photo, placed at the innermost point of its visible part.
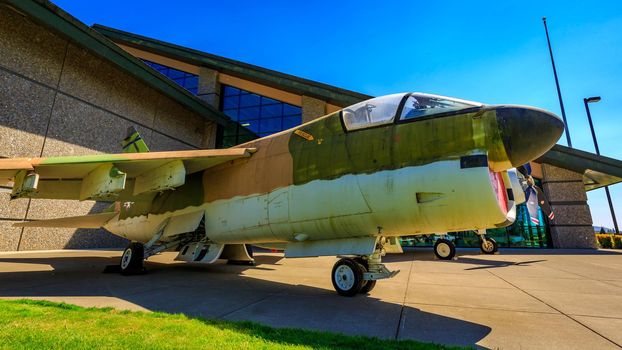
(444, 249)
(488, 245)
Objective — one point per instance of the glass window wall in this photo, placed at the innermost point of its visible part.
(259, 114)
(187, 80)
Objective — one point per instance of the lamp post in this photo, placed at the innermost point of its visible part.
(595, 99)
(559, 93)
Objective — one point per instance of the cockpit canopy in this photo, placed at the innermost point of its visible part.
(383, 110)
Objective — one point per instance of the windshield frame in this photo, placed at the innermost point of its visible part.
(397, 119)
(472, 107)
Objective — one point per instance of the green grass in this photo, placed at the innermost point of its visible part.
(29, 324)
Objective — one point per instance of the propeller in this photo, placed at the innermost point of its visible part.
(534, 195)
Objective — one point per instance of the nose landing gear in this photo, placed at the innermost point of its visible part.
(486, 244)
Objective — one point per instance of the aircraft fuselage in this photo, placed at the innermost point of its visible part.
(445, 172)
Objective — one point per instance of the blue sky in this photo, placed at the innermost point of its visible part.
(488, 51)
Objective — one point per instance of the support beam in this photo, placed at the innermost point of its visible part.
(103, 183)
(166, 177)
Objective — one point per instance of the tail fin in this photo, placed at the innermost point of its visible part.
(133, 143)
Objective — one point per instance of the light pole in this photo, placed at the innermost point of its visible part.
(595, 99)
(559, 93)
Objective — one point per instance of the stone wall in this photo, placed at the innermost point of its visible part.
(59, 99)
(312, 108)
(209, 91)
(572, 226)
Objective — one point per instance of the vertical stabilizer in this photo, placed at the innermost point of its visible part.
(133, 143)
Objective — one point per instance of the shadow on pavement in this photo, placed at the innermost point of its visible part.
(487, 264)
(222, 291)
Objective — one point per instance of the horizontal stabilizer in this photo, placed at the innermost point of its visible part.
(85, 221)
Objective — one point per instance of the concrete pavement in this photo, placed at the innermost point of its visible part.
(519, 299)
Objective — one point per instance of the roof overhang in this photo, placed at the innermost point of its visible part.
(51, 16)
(260, 75)
(597, 171)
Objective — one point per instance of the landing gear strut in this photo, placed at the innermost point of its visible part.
(486, 244)
(354, 275)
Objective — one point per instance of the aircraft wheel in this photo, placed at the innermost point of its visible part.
(444, 249)
(347, 277)
(488, 246)
(132, 259)
(368, 287)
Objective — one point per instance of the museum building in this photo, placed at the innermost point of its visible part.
(70, 89)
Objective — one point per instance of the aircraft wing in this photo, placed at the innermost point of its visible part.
(108, 176)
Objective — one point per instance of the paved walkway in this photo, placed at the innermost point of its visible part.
(519, 299)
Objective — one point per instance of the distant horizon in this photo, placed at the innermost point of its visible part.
(607, 229)
(484, 51)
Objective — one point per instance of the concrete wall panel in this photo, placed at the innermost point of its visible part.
(572, 227)
(159, 142)
(24, 113)
(312, 108)
(9, 236)
(27, 49)
(96, 81)
(88, 104)
(174, 120)
(578, 214)
(15, 209)
(77, 129)
(553, 173)
(573, 237)
(565, 191)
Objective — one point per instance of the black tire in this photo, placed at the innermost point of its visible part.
(347, 277)
(488, 245)
(495, 244)
(132, 259)
(368, 287)
(444, 249)
(363, 263)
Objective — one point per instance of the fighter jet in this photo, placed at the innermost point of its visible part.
(347, 184)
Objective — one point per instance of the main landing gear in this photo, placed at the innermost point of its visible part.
(486, 244)
(132, 259)
(444, 249)
(354, 275)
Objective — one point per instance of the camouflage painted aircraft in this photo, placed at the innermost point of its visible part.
(347, 184)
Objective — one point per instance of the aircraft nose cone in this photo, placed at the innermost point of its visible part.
(527, 133)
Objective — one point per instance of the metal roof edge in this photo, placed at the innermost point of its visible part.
(301, 86)
(579, 161)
